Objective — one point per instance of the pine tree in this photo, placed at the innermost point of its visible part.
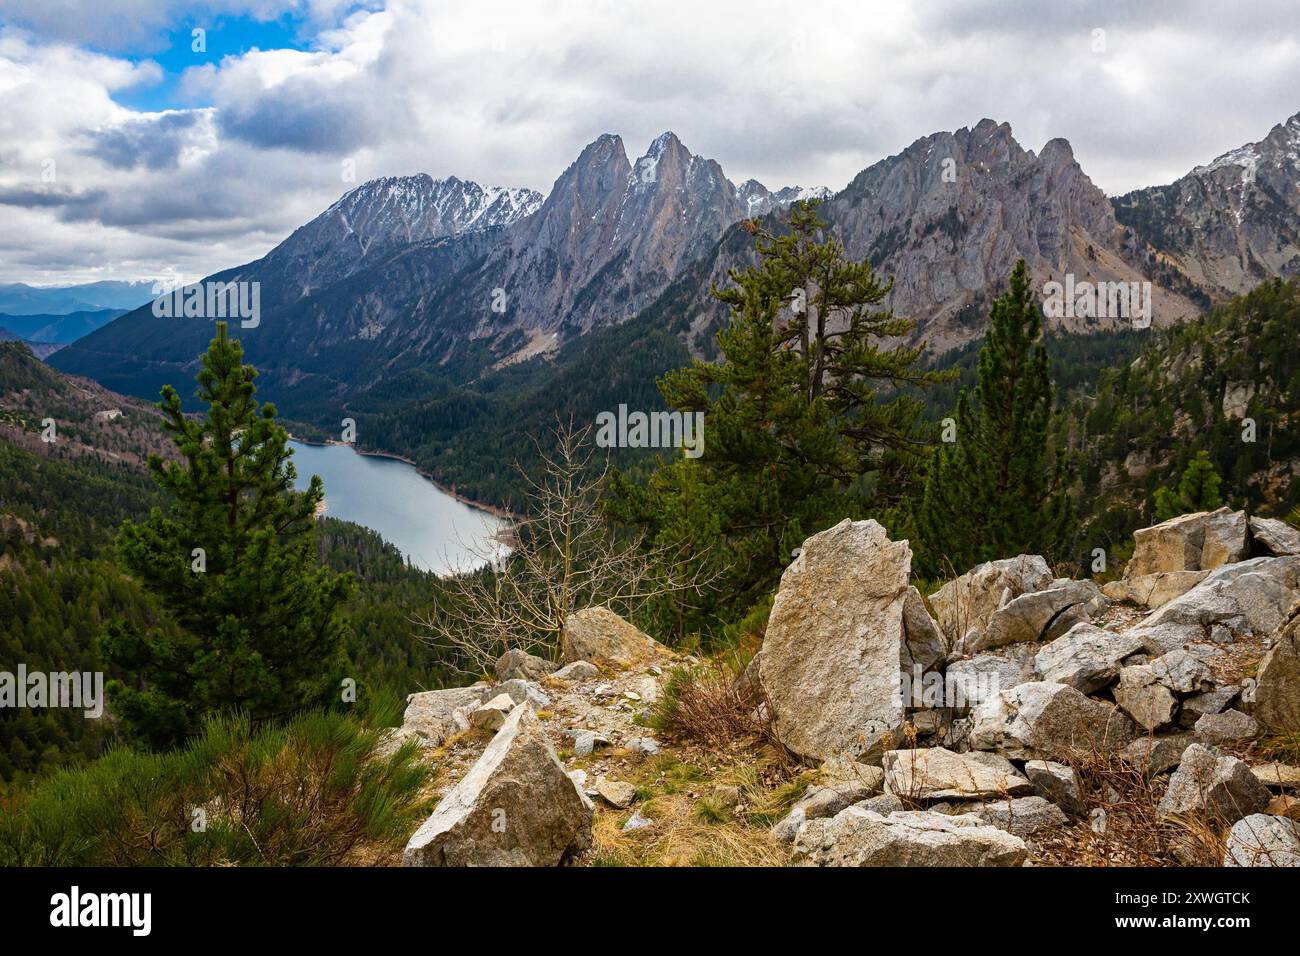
(998, 489)
(796, 435)
(234, 563)
(1198, 490)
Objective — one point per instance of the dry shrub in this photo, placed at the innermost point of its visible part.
(705, 704)
(1135, 833)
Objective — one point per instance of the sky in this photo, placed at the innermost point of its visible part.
(141, 138)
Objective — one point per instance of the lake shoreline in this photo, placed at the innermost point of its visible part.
(493, 510)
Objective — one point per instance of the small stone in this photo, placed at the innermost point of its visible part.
(616, 793)
(576, 671)
(637, 822)
(645, 745)
(1057, 783)
(493, 714)
(585, 741)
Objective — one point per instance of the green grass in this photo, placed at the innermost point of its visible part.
(310, 792)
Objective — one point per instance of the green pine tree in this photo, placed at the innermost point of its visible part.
(234, 562)
(998, 488)
(796, 435)
(1198, 490)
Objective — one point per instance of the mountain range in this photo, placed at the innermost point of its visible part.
(407, 278)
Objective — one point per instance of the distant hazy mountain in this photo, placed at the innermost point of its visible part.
(18, 298)
(59, 329)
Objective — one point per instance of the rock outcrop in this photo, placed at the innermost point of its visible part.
(599, 636)
(860, 837)
(834, 643)
(515, 807)
(1277, 685)
(1263, 840)
(1172, 557)
(1219, 785)
(1041, 720)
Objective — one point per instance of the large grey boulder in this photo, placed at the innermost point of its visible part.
(1277, 684)
(1037, 615)
(834, 643)
(1153, 590)
(515, 807)
(1231, 726)
(1193, 542)
(976, 679)
(599, 636)
(936, 774)
(1222, 786)
(1043, 721)
(861, 837)
(967, 603)
(1140, 694)
(1023, 816)
(516, 663)
(1182, 672)
(433, 714)
(1263, 840)
(1247, 599)
(1276, 537)
(1087, 658)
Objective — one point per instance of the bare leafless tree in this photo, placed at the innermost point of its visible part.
(566, 556)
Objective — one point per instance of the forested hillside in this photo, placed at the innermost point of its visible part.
(61, 583)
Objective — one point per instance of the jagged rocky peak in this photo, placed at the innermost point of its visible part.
(421, 207)
(1229, 223)
(382, 215)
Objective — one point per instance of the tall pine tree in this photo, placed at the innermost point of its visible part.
(999, 489)
(1198, 490)
(796, 436)
(234, 562)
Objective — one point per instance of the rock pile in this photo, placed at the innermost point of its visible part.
(948, 731)
(1037, 677)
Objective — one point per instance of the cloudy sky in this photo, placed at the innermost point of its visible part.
(131, 145)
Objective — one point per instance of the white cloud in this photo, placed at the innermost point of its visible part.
(509, 92)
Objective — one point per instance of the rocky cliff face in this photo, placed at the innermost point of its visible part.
(1227, 225)
(949, 216)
